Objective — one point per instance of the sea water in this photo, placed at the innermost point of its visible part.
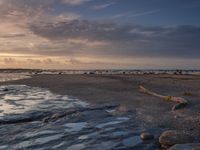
(13, 76)
(33, 118)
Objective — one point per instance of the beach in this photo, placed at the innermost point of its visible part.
(122, 89)
(153, 114)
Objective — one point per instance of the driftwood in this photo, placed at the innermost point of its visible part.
(181, 102)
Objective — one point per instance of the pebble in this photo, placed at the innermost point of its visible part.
(146, 136)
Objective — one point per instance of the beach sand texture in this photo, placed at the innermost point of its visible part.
(149, 111)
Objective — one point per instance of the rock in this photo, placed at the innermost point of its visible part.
(5, 90)
(189, 146)
(146, 136)
(172, 137)
(179, 106)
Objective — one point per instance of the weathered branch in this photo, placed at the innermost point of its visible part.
(181, 102)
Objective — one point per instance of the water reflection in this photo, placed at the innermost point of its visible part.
(72, 124)
(75, 127)
(19, 99)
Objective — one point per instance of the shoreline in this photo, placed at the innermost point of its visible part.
(123, 89)
(117, 88)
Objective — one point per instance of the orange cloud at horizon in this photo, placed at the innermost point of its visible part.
(30, 61)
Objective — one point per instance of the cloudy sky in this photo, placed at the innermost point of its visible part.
(100, 34)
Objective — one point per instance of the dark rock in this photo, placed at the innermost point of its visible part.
(189, 146)
(5, 90)
(179, 106)
(146, 136)
(172, 137)
(91, 73)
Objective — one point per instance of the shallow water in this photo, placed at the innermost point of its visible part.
(18, 99)
(34, 118)
(13, 76)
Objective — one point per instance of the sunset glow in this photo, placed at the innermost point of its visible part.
(94, 34)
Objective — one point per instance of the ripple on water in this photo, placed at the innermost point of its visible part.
(58, 145)
(132, 141)
(104, 132)
(3, 147)
(38, 141)
(20, 99)
(119, 133)
(39, 133)
(117, 121)
(76, 147)
(75, 127)
(88, 136)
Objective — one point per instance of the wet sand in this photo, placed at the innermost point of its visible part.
(123, 89)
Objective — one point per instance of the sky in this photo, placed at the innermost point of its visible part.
(100, 34)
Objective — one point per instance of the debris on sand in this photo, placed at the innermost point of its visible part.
(188, 94)
(181, 102)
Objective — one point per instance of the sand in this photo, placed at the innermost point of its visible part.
(123, 89)
(149, 111)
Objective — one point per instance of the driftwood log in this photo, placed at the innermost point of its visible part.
(181, 102)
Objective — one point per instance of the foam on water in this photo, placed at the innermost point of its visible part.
(13, 76)
(18, 99)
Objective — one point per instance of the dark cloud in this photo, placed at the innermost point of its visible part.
(135, 40)
(68, 34)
